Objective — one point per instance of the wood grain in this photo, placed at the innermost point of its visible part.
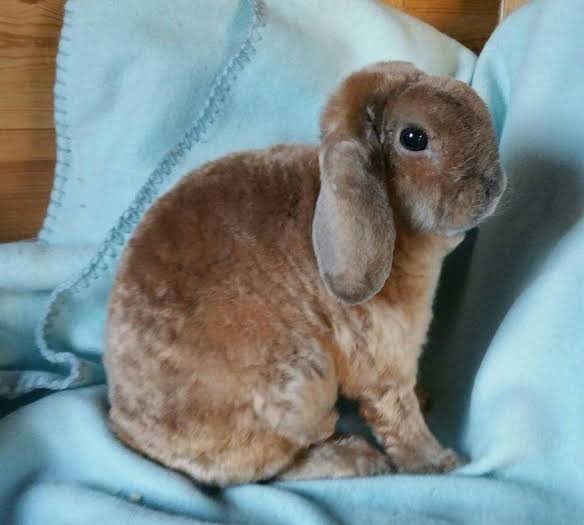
(25, 187)
(29, 34)
(468, 21)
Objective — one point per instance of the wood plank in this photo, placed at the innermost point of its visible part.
(508, 6)
(25, 189)
(29, 37)
(469, 21)
(26, 94)
(27, 144)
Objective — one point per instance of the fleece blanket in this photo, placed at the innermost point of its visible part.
(150, 91)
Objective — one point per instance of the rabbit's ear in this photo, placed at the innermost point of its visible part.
(353, 230)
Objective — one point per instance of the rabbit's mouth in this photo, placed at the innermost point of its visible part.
(484, 213)
(480, 215)
(491, 207)
(493, 191)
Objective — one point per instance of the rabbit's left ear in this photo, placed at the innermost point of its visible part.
(353, 230)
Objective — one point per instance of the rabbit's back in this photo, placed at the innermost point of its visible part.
(226, 222)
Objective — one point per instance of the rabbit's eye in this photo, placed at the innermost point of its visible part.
(414, 139)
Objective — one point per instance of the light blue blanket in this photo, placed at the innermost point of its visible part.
(148, 91)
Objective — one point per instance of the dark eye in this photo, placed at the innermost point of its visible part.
(414, 139)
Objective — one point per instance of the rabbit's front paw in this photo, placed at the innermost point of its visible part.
(438, 462)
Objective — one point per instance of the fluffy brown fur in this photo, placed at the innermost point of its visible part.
(258, 288)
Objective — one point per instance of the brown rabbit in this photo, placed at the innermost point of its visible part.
(260, 286)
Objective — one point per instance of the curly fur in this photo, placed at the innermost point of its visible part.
(258, 288)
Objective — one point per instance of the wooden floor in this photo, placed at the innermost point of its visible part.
(29, 33)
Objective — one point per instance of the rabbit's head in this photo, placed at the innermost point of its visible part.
(401, 146)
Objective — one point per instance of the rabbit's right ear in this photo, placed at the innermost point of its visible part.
(353, 230)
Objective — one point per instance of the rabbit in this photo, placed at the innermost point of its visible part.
(267, 282)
